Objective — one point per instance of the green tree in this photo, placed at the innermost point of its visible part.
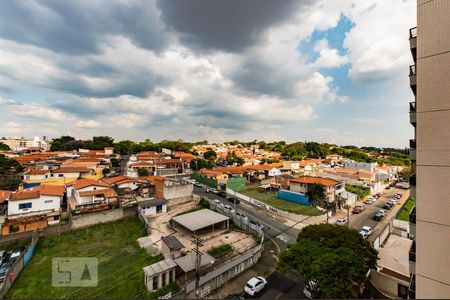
(143, 172)
(106, 171)
(114, 162)
(198, 163)
(4, 147)
(100, 142)
(317, 194)
(9, 165)
(63, 143)
(210, 155)
(125, 147)
(337, 257)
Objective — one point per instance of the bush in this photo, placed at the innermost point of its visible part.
(219, 251)
(360, 191)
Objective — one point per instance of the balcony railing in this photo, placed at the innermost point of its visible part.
(412, 106)
(412, 180)
(412, 78)
(412, 252)
(413, 32)
(412, 287)
(413, 42)
(412, 143)
(412, 70)
(412, 216)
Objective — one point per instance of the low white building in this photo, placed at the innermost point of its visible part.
(36, 200)
(274, 172)
(152, 206)
(85, 193)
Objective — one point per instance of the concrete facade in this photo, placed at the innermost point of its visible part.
(430, 259)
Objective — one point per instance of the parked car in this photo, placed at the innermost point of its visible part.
(365, 231)
(255, 285)
(234, 200)
(368, 201)
(341, 222)
(378, 216)
(358, 209)
(222, 194)
(229, 208)
(15, 254)
(386, 206)
(4, 270)
(214, 191)
(242, 216)
(197, 184)
(312, 289)
(218, 203)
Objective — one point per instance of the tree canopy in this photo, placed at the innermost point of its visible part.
(317, 194)
(198, 163)
(7, 165)
(143, 172)
(337, 257)
(4, 147)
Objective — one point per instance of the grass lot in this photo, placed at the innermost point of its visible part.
(120, 262)
(404, 214)
(219, 251)
(270, 198)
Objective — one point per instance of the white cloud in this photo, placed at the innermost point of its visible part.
(329, 58)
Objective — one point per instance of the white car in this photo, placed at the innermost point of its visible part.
(341, 222)
(218, 203)
(229, 208)
(365, 231)
(255, 285)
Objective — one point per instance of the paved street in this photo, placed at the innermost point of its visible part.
(282, 234)
(365, 218)
(279, 287)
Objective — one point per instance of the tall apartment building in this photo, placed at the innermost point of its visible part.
(430, 151)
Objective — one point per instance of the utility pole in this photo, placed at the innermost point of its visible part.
(198, 242)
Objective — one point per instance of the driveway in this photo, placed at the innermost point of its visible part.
(279, 287)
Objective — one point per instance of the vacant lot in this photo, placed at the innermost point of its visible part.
(119, 257)
(271, 199)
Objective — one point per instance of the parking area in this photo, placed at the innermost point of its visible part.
(279, 287)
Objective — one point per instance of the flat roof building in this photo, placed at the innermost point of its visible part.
(200, 220)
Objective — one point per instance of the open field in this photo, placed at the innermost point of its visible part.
(120, 263)
(271, 199)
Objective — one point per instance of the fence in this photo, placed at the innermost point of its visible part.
(18, 265)
(382, 237)
(295, 197)
(208, 181)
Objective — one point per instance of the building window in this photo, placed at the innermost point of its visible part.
(60, 175)
(25, 205)
(164, 277)
(158, 208)
(48, 201)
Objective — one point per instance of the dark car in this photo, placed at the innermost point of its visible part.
(3, 256)
(222, 194)
(378, 217)
(15, 254)
(386, 206)
(234, 200)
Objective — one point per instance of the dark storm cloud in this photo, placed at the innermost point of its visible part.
(228, 25)
(79, 27)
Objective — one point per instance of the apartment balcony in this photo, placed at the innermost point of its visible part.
(412, 180)
(413, 42)
(412, 287)
(412, 144)
(412, 113)
(412, 258)
(412, 78)
(412, 216)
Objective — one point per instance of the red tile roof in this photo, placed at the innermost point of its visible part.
(37, 172)
(82, 183)
(4, 195)
(311, 180)
(72, 170)
(24, 195)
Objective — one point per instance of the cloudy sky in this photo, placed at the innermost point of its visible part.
(329, 71)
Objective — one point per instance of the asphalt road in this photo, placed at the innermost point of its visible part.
(365, 218)
(283, 235)
(279, 287)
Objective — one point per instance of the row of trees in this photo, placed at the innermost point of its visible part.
(8, 168)
(336, 256)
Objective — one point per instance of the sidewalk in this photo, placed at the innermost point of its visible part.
(263, 267)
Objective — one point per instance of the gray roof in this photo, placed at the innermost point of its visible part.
(199, 219)
(159, 267)
(187, 262)
(172, 242)
(152, 202)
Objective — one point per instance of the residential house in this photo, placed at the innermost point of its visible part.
(332, 187)
(221, 177)
(87, 195)
(360, 166)
(273, 172)
(33, 208)
(152, 207)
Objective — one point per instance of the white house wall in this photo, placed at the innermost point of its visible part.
(39, 204)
